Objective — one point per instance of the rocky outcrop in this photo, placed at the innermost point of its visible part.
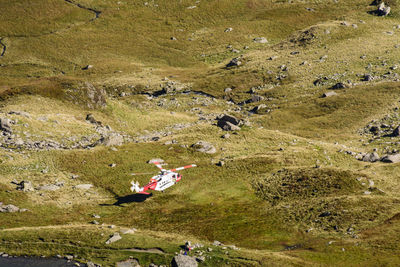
(5, 125)
(228, 123)
(184, 261)
(394, 158)
(204, 147)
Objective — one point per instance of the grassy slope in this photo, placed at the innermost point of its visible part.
(130, 45)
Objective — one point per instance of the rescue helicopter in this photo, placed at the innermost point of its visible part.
(161, 181)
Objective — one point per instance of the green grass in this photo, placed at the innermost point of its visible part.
(268, 197)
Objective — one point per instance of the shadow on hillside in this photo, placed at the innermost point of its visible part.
(129, 199)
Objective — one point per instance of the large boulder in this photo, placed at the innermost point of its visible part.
(235, 62)
(394, 158)
(5, 125)
(383, 10)
(8, 208)
(184, 261)
(228, 123)
(204, 147)
(128, 263)
(371, 157)
(329, 94)
(227, 126)
(112, 139)
(229, 118)
(115, 237)
(25, 186)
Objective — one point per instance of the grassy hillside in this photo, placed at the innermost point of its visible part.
(289, 188)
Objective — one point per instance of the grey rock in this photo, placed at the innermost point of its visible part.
(128, 263)
(256, 98)
(184, 261)
(217, 243)
(394, 158)
(227, 126)
(20, 113)
(259, 108)
(260, 40)
(83, 186)
(228, 30)
(112, 139)
(115, 237)
(329, 94)
(229, 118)
(87, 67)
(371, 157)
(49, 187)
(25, 186)
(90, 118)
(235, 62)
(383, 10)
(339, 86)
(5, 125)
(204, 147)
(128, 231)
(8, 208)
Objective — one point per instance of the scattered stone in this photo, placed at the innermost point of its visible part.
(217, 243)
(258, 109)
(228, 30)
(128, 231)
(228, 123)
(115, 237)
(371, 157)
(235, 62)
(383, 10)
(87, 67)
(112, 139)
(90, 118)
(5, 125)
(204, 147)
(339, 86)
(83, 186)
(128, 263)
(184, 261)
(221, 163)
(49, 187)
(200, 258)
(367, 192)
(95, 222)
(8, 208)
(112, 165)
(227, 126)
(227, 90)
(25, 186)
(173, 38)
(69, 257)
(329, 94)
(226, 136)
(260, 40)
(368, 78)
(394, 158)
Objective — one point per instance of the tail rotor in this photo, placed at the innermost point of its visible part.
(135, 187)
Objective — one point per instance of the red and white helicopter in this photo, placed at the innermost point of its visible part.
(162, 181)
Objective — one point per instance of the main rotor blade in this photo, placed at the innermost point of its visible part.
(158, 165)
(184, 167)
